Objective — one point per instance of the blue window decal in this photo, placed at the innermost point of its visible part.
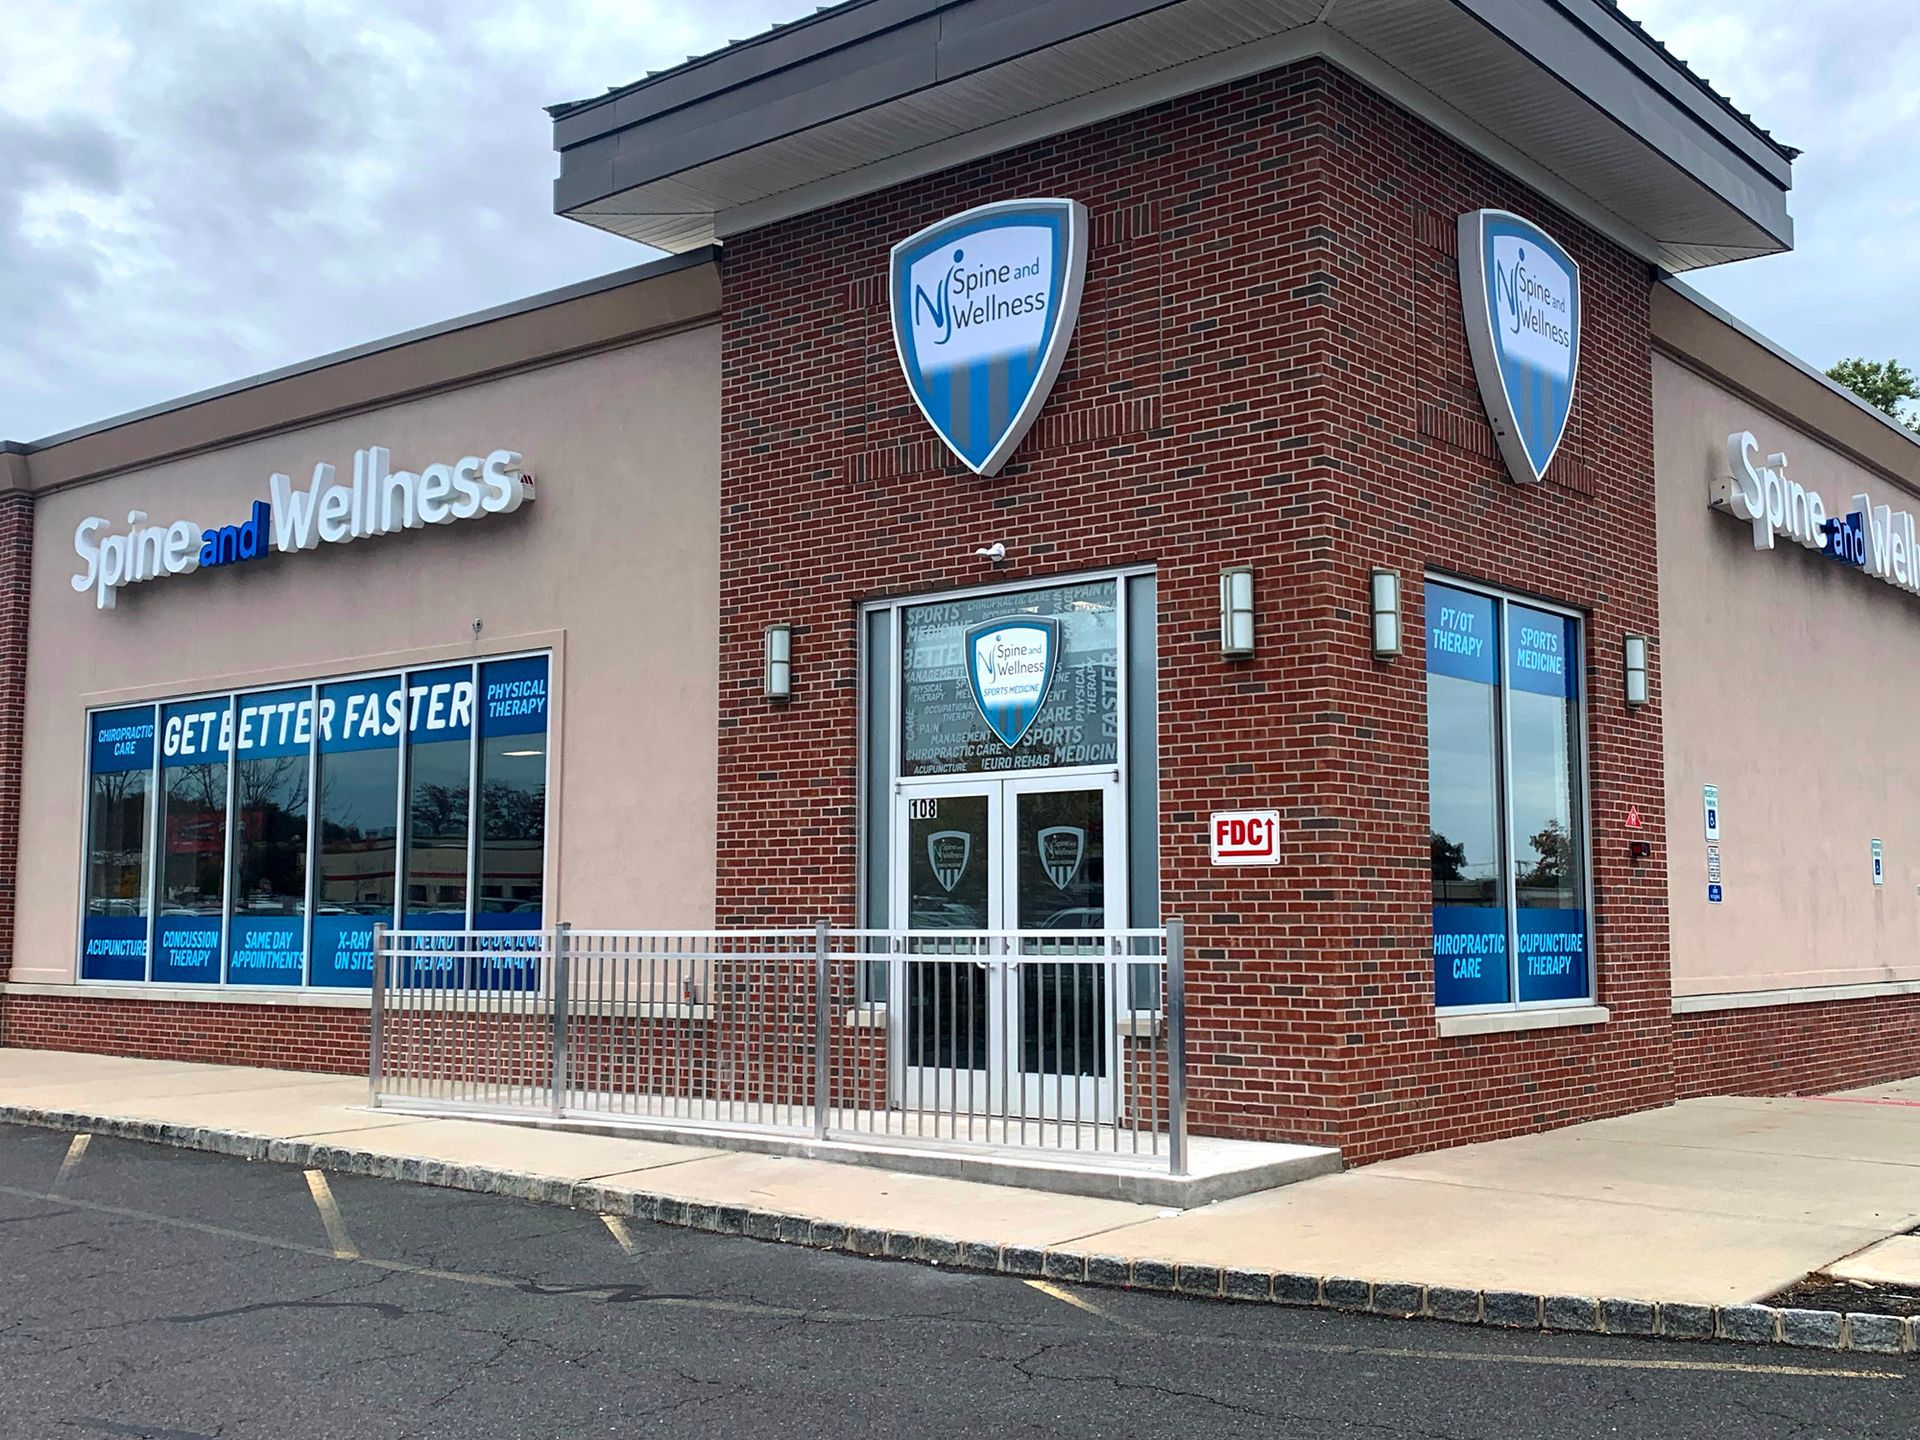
(122, 741)
(265, 950)
(1540, 653)
(1469, 955)
(186, 950)
(343, 950)
(1462, 635)
(113, 932)
(1553, 954)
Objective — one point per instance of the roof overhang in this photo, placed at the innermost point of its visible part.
(1567, 95)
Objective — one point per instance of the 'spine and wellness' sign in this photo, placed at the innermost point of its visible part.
(1521, 296)
(378, 501)
(984, 305)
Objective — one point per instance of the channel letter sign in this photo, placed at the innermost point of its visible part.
(984, 304)
(1010, 665)
(1521, 295)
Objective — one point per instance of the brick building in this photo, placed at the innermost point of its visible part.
(1257, 509)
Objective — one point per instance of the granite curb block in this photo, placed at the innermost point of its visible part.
(1509, 1309)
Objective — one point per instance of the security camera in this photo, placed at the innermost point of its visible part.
(995, 552)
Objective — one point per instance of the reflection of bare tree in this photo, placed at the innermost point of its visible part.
(280, 782)
(193, 844)
(270, 843)
(512, 812)
(116, 786)
(197, 787)
(439, 812)
(117, 837)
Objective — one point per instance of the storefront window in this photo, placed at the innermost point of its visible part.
(439, 770)
(113, 941)
(512, 828)
(1549, 869)
(1069, 638)
(195, 739)
(267, 798)
(1504, 779)
(273, 738)
(357, 803)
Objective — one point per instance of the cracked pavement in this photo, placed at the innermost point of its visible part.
(181, 1296)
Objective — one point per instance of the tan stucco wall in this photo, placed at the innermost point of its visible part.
(1792, 683)
(614, 566)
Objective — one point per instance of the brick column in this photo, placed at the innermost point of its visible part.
(16, 569)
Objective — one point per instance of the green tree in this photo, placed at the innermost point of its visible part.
(1887, 385)
(1449, 860)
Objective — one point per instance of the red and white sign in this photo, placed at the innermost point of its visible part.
(1633, 817)
(1245, 837)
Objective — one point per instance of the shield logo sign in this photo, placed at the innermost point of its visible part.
(948, 852)
(1061, 849)
(984, 304)
(1521, 294)
(1010, 666)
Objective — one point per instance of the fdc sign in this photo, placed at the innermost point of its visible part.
(1245, 837)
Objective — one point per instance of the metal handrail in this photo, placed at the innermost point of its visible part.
(865, 1033)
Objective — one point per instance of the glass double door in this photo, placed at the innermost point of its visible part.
(1007, 1000)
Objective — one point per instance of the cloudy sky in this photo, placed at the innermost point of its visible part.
(192, 193)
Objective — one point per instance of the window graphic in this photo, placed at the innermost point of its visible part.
(1506, 803)
(258, 838)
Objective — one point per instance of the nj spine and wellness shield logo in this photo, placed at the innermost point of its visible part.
(1010, 665)
(1521, 296)
(984, 305)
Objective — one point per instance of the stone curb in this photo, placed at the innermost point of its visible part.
(1827, 1330)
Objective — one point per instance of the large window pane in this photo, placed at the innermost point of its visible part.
(1549, 852)
(439, 772)
(1463, 786)
(358, 804)
(513, 817)
(194, 741)
(1075, 672)
(273, 735)
(113, 941)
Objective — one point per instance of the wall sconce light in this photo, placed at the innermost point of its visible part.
(1634, 652)
(1384, 592)
(779, 676)
(1236, 612)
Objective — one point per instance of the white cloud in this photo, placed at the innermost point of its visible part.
(191, 193)
(1834, 80)
(194, 193)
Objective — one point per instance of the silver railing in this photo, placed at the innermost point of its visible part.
(1068, 1041)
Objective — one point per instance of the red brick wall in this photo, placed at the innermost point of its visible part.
(16, 573)
(1270, 367)
(1797, 1049)
(282, 1037)
(1415, 483)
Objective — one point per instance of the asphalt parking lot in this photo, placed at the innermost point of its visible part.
(148, 1292)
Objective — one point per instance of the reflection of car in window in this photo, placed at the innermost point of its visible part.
(1076, 917)
(944, 915)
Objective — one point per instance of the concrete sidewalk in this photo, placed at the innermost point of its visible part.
(1711, 1202)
